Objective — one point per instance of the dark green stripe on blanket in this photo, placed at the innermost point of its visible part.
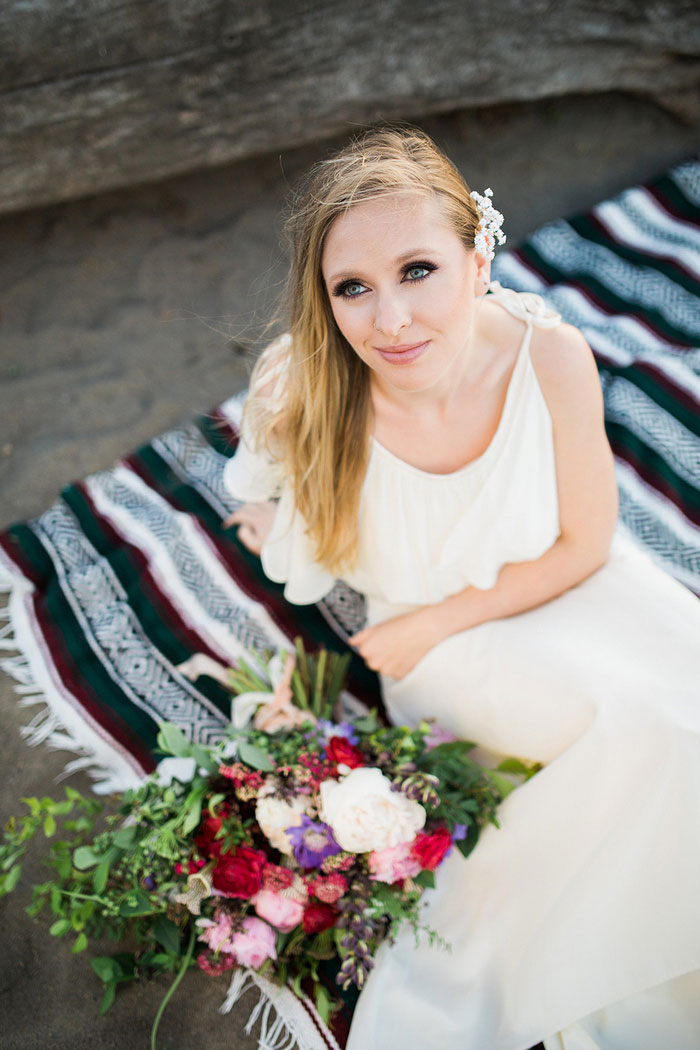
(603, 294)
(77, 663)
(155, 618)
(588, 227)
(246, 568)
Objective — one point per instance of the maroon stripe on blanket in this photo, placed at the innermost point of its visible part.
(670, 261)
(74, 683)
(183, 633)
(652, 478)
(608, 310)
(239, 566)
(11, 547)
(661, 378)
(319, 1026)
(667, 205)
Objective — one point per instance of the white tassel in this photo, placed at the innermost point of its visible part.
(48, 726)
(284, 1020)
(240, 983)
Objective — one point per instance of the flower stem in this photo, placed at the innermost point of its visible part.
(184, 967)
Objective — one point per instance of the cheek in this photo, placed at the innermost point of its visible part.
(350, 320)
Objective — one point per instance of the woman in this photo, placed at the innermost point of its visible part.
(438, 442)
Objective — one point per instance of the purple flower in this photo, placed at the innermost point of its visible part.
(346, 729)
(312, 841)
(460, 832)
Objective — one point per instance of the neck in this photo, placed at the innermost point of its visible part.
(439, 399)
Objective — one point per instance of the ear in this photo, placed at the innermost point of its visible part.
(482, 275)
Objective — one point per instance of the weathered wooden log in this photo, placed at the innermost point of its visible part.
(97, 94)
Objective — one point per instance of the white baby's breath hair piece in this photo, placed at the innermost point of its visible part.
(490, 221)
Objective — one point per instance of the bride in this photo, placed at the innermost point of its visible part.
(437, 441)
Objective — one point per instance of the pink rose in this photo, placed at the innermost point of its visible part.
(438, 736)
(283, 913)
(216, 933)
(393, 863)
(254, 943)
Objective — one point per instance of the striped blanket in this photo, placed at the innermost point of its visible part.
(129, 573)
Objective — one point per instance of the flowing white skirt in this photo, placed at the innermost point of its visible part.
(578, 921)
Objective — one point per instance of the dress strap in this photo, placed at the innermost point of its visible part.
(528, 306)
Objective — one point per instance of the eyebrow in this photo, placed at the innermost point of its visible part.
(414, 253)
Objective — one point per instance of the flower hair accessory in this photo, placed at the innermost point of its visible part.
(490, 221)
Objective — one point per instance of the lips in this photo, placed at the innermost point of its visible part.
(402, 354)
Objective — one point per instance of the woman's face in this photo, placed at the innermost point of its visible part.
(402, 287)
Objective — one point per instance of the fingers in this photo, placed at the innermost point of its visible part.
(253, 514)
(250, 539)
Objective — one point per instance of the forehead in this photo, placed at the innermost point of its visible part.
(386, 229)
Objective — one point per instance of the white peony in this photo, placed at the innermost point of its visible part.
(365, 814)
(274, 816)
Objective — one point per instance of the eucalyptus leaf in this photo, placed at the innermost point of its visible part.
(59, 927)
(193, 816)
(172, 740)
(107, 998)
(124, 838)
(367, 724)
(502, 784)
(99, 879)
(513, 765)
(254, 757)
(11, 879)
(84, 857)
(323, 1002)
(106, 968)
(203, 758)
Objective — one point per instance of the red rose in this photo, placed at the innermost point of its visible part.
(206, 840)
(431, 848)
(239, 874)
(341, 751)
(318, 916)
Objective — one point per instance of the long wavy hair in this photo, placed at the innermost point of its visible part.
(309, 402)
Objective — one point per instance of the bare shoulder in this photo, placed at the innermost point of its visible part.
(565, 367)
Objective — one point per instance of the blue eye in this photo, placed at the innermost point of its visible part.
(349, 289)
(418, 271)
(353, 289)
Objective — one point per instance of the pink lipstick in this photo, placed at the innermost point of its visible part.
(399, 355)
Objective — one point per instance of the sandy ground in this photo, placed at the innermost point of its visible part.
(123, 314)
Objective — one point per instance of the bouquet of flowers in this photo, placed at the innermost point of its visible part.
(302, 836)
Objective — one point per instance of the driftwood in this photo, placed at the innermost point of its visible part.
(96, 94)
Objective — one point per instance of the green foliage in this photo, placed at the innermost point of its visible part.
(114, 870)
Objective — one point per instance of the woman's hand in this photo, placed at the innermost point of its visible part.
(254, 520)
(395, 646)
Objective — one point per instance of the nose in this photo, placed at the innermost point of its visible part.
(391, 314)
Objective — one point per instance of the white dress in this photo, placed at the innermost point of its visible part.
(578, 921)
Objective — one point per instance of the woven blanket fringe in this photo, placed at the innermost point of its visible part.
(285, 1020)
(50, 725)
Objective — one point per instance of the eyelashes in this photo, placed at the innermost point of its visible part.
(354, 289)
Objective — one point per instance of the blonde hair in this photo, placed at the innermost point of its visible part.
(320, 427)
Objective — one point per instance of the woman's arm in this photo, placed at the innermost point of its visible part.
(587, 494)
